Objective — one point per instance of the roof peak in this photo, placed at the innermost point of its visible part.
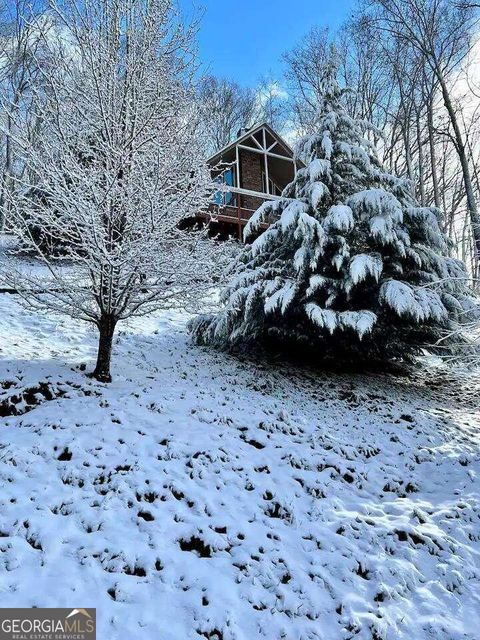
(245, 132)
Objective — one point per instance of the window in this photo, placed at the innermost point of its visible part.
(224, 198)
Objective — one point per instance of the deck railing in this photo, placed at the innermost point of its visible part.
(237, 206)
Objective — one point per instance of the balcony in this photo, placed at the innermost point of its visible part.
(236, 206)
(251, 170)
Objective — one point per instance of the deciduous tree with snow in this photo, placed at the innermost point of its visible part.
(350, 265)
(119, 165)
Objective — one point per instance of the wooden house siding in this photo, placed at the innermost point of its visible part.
(260, 165)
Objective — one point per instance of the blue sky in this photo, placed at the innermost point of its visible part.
(244, 39)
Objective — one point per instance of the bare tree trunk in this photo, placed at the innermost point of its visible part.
(408, 153)
(106, 329)
(433, 158)
(7, 173)
(467, 179)
(421, 168)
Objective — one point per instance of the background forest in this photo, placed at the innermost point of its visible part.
(413, 67)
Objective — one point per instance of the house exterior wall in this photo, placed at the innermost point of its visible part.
(227, 213)
(251, 177)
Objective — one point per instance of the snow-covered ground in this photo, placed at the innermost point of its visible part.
(201, 496)
(15, 263)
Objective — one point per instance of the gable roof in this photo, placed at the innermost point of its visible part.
(247, 134)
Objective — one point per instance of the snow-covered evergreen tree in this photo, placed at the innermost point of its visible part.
(350, 264)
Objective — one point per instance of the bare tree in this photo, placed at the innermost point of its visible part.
(305, 65)
(118, 167)
(364, 69)
(270, 103)
(24, 25)
(441, 32)
(228, 107)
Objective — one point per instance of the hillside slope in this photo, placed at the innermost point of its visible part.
(200, 496)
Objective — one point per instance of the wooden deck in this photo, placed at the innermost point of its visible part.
(235, 213)
(237, 217)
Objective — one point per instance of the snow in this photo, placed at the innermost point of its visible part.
(377, 201)
(429, 218)
(316, 283)
(292, 212)
(418, 303)
(323, 318)
(281, 298)
(327, 145)
(205, 496)
(431, 305)
(264, 212)
(295, 212)
(339, 217)
(360, 321)
(318, 169)
(363, 265)
(319, 191)
(381, 228)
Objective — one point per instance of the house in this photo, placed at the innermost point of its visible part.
(255, 167)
